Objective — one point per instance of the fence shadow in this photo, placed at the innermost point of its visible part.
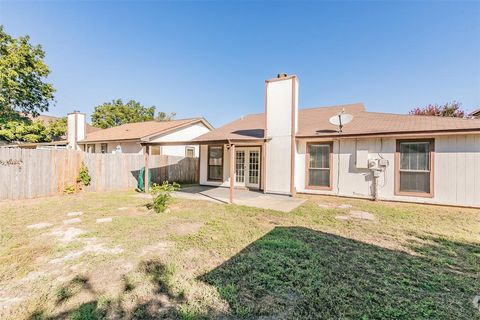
(299, 273)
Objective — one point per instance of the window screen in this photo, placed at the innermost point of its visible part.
(190, 152)
(415, 167)
(215, 163)
(319, 165)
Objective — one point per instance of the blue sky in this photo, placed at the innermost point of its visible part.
(211, 58)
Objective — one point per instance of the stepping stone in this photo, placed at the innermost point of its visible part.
(102, 220)
(71, 221)
(123, 208)
(40, 225)
(362, 215)
(345, 206)
(342, 217)
(74, 213)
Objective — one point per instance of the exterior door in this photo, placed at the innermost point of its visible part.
(247, 167)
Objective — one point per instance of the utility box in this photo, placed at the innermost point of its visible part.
(362, 159)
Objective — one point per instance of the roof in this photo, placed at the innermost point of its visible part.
(140, 130)
(475, 113)
(314, 123)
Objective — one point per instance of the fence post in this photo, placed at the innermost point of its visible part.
(146, 169)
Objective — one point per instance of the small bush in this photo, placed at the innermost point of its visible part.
(84, 176)
(69, 190)
(162, 195)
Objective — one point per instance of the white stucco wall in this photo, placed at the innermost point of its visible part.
(279, 131)
(183, 134)
(79, 127)
(456, 170)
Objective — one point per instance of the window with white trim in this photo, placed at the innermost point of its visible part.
(215, 163)
(319, 165)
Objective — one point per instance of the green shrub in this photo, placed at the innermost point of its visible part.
(84, 176)
(69, 190)
(161, 195)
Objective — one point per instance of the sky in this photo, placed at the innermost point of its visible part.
(210, 59)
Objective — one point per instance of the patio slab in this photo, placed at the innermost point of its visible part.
(241, 197)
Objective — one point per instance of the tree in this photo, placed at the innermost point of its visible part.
(115, 113)
(163, 116)
(449, 109)
(22, 76)
(25, 130)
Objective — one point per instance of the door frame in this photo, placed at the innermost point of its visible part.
(246, 172)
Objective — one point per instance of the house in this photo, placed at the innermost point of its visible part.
(128, 138)
(287, 150)
(475, 114)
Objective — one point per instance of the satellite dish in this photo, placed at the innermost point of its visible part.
(341, 119)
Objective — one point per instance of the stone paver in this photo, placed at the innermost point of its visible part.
(71, 221)
(324, 205)
(123, 208)
(39, 225)
(103, 220)
(362, 215)
(74, 213)
(345, 206)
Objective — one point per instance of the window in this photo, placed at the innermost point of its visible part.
(90, 148)
(103, 148)
(155, 150)
(215, 163)
(189, 152)
(319, 159)
(414, 167)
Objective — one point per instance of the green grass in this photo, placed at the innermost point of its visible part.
(206, 260)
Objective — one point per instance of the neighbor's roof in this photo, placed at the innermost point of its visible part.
(475, 112)
(314, 123)
(139, 130)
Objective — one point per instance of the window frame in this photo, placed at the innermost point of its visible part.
(307, 166)
(431, 151)
(208, 162)
(193, 150)
(106, 148)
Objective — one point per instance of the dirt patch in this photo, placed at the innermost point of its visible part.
(157, 248)
(182, 227)
(109, 279)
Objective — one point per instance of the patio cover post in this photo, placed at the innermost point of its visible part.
(145, 180)
(232, 171)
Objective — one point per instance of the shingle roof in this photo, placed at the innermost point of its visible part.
(314, 123)
(138, 130)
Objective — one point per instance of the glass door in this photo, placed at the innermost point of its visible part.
(254, 169)
(240, 167)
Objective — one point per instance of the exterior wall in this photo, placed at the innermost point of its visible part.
(279, 104)
(76, 129)
(456, 170)
(204, 168)
(126, 147)
(183, 134)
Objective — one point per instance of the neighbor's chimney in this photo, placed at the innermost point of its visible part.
(281, 125)
(76, 129)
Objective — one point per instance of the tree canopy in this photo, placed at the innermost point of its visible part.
(23, 129)
(449, 109)
(22, 76)
(115, 113)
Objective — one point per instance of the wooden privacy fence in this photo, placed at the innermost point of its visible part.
(30, 173)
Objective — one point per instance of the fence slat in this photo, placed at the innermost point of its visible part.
(30, 173)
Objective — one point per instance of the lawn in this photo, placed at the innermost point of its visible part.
(207, 260)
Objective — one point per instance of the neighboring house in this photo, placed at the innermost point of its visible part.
(378, 155)
(475, 114)
(128, 138)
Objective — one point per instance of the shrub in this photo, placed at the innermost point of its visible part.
(69, 190)
(83, 175)
(162, 195)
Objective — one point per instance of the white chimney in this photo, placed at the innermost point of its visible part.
(76, 129)
(281, 113)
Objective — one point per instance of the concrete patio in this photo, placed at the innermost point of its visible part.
(241, 197)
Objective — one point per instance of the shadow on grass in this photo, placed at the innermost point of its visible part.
(299, 273)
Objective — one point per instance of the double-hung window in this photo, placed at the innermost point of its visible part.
(414, 167)
(215, 163)
(319, 165)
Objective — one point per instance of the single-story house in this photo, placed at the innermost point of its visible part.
(128, 138)
(287, 150)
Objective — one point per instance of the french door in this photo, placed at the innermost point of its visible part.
(247, 167)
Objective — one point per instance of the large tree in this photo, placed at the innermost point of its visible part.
(115, 113)
(449, 109)
(23, 86)
(23, 129)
